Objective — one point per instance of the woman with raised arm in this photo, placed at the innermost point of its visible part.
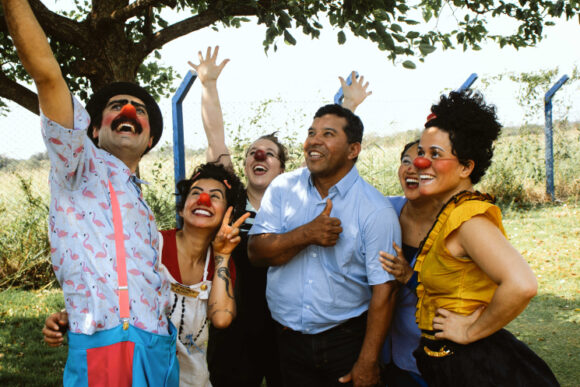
(246, 352)
(472, 281)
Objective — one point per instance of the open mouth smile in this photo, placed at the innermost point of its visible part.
(259, 170)
(126, 125)
(426, 179)
(202, 212)
(412, 182)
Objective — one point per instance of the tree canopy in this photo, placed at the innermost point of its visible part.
(101, 41)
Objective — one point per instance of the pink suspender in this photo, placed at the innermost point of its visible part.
(121, 264)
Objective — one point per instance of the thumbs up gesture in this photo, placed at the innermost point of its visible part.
(324, 230)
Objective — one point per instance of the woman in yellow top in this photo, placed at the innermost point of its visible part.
(472, 281)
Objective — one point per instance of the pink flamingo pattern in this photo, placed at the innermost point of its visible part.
(82, 235)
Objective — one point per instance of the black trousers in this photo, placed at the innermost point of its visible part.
(321, 359)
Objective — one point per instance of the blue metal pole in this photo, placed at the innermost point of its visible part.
(339, 96)
(549, 137)
(178, 142)
(467, 84)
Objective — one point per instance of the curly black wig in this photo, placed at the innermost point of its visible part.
(235, 192)
(472, 126)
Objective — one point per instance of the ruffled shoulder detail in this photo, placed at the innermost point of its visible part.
(480, 200)
(468, 210)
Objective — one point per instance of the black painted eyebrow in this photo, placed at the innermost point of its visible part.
(211, 190)
(125, 102)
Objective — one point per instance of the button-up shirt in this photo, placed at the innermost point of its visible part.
(322, 287)
(82, 237)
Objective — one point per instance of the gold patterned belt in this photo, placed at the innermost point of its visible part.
(442, 352)
(183, 290)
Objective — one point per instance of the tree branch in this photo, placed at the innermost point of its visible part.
(135, 8)
(55, 25)
(14, 91)
(191, 24)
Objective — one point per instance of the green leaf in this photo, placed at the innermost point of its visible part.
(341, 37)
(409, 65)
(412, 35)
(426, 49)
(289, 39)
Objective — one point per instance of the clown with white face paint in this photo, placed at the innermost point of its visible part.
(246, 352)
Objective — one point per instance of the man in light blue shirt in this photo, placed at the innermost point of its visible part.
(320, 229)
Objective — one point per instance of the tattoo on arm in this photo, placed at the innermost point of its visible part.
(219, 260)
(224, 274)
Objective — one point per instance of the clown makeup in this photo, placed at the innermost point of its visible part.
(262, 164)
(206, 204)
(440, 172)
(408, 174)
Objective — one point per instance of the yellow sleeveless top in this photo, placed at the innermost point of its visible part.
(453, 283)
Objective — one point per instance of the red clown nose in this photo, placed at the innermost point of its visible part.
(129, 111)
(422, 163)
(260, 155)
(204, 200)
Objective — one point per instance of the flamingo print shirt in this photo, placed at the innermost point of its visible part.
(82, 235)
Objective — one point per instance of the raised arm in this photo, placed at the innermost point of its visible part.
(208, 71)
(278, 249)
(38, 60)
(516, 281)
(355, 93)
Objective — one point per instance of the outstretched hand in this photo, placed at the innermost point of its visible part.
(355, 93)
(208, 70)
(54, 327)
(228, 236)
(396, 265)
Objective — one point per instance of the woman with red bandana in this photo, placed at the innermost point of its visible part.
(245, 353)
(472, 282)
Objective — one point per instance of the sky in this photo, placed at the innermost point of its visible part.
(305, 76)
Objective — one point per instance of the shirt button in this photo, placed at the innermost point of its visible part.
(309, 281)
(314, 255)
(307, 306)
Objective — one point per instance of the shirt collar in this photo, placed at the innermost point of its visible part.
(123, 169)
(343, 185)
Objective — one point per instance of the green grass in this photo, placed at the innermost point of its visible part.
(548, 236)
(24, 358)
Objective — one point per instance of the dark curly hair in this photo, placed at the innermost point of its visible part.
(282, 150)
(472, 126)
(235, 196)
